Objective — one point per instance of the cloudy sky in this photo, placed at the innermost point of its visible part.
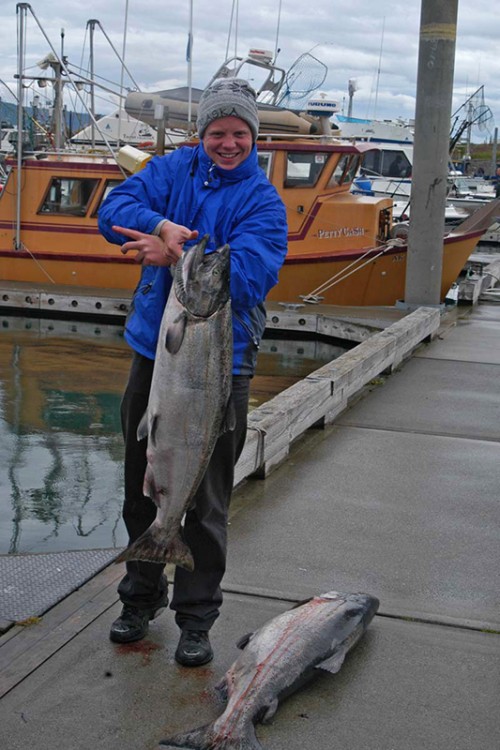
(373, 43)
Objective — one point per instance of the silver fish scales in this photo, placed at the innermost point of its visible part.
(189, 403)
(276, 660)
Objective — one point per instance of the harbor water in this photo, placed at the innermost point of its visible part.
(61, 449)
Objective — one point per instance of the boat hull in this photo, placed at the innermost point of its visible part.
(335, 239)
(356, 279)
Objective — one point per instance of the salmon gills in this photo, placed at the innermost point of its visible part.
(277, 659)
(189, 403)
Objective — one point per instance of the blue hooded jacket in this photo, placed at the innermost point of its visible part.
(238, 206)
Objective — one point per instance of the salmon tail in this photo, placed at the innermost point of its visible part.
(207, 738)
(154, 546)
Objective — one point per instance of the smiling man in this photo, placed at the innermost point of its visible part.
(228, 121)
(218, 189)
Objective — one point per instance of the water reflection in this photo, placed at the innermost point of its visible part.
(61, 451)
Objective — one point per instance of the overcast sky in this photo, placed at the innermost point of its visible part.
(374, 42)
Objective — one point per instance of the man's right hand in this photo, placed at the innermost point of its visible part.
(162, 250)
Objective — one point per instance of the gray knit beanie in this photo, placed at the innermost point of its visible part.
(228, 97)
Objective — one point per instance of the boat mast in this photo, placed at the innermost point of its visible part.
(190, 68)
(120, 108)
(22, 9)
(91, 25)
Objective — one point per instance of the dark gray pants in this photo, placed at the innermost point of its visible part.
(197, 596)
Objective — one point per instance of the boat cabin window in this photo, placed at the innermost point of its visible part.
(345, 171)
(265, 158)
(108, 187)
(69, 196)
(304, 169)
(386, 163)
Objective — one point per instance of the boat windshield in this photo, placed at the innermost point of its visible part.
(345, 171)
(108, 187)
(386, 163)
(304, 169)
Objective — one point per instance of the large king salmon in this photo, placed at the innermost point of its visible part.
(276, 660)
(189, 403)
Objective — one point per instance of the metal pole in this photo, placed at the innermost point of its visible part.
(22, 11)
(432, 125)
(189, 57)
(58, 86)
(494, 145)
(124, 47)
(91, 24)
(161, 114)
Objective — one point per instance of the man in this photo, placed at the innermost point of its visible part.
(215, 188)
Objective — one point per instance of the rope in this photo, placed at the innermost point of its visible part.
(356, 265)
(42, 269)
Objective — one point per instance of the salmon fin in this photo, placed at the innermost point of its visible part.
(175, 334)
(333, 663)
(269, 712)
(222, 690)
(152, 546)
(229, 419)
(243, 641)
(206, 738)
(142, 430)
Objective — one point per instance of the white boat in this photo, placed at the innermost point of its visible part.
(470, 193)
(384, 131)
(378, 178)
(8, 139)
(120, 128)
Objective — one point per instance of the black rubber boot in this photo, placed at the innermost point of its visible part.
(194, 648)
(133, 624)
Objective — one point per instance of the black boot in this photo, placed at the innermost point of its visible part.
(133, 624)
(194, 648)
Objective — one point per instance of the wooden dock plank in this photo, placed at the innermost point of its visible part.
(25, 648)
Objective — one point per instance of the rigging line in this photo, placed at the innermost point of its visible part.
(64, 67)
(379, 66)
(230, 30)
(84, 46)
(119, 58)
(276, 50)
(120, 103)
(236, 28)
(8, 89)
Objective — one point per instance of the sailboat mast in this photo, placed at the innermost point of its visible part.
(120, 106)
(189, 58)
(91, 25)
(22, 9)
(378, 71)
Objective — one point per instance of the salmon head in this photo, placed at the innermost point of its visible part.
(202, 279)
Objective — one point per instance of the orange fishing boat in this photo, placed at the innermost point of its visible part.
(340, 246)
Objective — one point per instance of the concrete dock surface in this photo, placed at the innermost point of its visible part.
(398, 498)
